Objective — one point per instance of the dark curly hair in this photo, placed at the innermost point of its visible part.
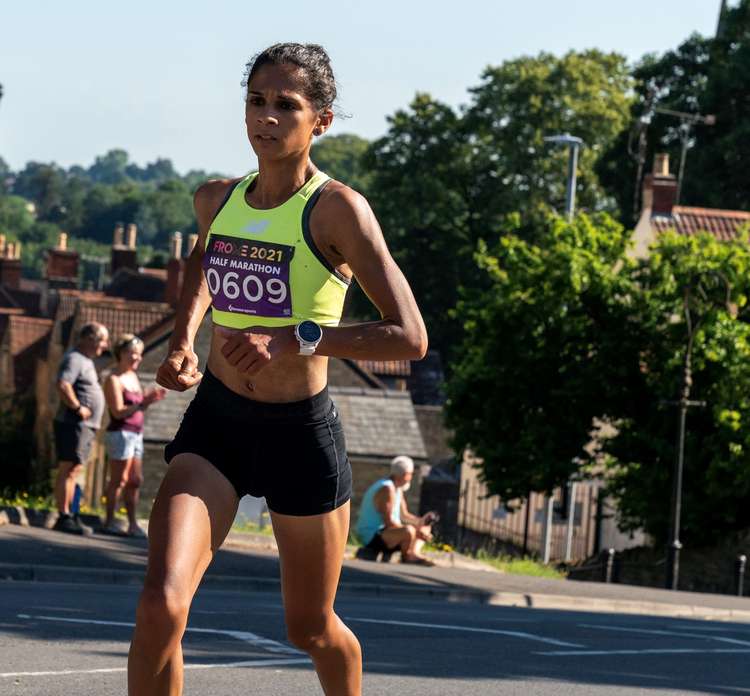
(319, 86)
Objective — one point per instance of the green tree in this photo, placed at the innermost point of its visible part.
(519, 103)
(44, 185)
(442, 180)
(16, 217)
(341, 156)
(713, 278)
(5, 174)
(419, 192)
(702, 75)
(536, 364)
(165, 210)
(677, 81)
(717, 171)
(110, 168)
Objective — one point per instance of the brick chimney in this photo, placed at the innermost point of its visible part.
(62, 264)
(124, 253)
(660, 187)
(10, 264)
(175, 269)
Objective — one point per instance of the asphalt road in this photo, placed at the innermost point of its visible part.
(73, 639)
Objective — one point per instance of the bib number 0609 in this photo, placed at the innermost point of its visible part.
(251, 287)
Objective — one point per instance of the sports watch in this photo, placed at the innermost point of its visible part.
(308, 333)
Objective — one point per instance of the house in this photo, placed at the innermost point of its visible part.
(660, 213)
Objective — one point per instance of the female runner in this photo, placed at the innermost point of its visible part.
(276, 252)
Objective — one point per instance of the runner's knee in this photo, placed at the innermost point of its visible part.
(308, 631)
(163, 606)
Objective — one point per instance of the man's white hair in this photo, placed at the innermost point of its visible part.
(402, 465)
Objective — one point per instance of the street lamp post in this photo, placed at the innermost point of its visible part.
(574, 145)
(683, 404)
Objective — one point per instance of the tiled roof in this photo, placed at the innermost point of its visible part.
(379, 423)
(28, 300)
(399, 368)
(160, 273)
(434, 433)
(137, 285)
(722, 224)
(27, 339)
(25, 331)
(119, 315)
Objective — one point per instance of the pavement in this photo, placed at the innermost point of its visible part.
(249, 562)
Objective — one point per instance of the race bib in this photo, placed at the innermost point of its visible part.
(248, 276)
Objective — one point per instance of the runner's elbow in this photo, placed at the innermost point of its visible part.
(418, 343)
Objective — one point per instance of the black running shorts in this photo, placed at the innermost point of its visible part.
(293, 454)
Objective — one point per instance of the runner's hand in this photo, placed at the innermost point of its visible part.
(179, 371)
(250, 350)
(84, 413)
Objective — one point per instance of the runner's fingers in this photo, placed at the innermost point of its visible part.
(187, 381)
(231, 346)
(246, 363)
(240, 353)
(166, 378)
(262, 360)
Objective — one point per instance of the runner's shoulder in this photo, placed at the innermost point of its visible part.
(342, 203)
(339, 199)
(210, 195)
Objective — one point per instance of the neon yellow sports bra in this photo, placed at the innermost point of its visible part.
(262, 266)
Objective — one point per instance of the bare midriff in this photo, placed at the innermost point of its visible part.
(288, 378)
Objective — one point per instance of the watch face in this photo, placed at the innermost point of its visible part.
(309, 332)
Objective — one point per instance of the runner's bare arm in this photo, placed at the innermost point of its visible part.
(179, 371)
(355, 233)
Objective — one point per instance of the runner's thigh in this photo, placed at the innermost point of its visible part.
(192, 514)
(311, 550)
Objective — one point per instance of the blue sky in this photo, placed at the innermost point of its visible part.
(162, 78)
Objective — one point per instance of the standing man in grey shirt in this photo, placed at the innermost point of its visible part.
(78, 418)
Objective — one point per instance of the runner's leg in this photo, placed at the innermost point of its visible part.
(311, 551)
(192, 514)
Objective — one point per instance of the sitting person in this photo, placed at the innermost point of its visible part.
(385, 523)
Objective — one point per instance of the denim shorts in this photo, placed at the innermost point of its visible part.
(124, 444)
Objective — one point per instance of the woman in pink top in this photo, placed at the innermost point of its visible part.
(127, 403)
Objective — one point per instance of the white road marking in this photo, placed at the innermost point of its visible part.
(652, 651)
(662, 632)
(472, 629)
(246, 636)
(247, 663)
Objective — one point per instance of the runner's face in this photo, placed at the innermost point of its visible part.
(280, 120)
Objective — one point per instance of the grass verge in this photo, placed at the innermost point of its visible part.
(521, 566)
